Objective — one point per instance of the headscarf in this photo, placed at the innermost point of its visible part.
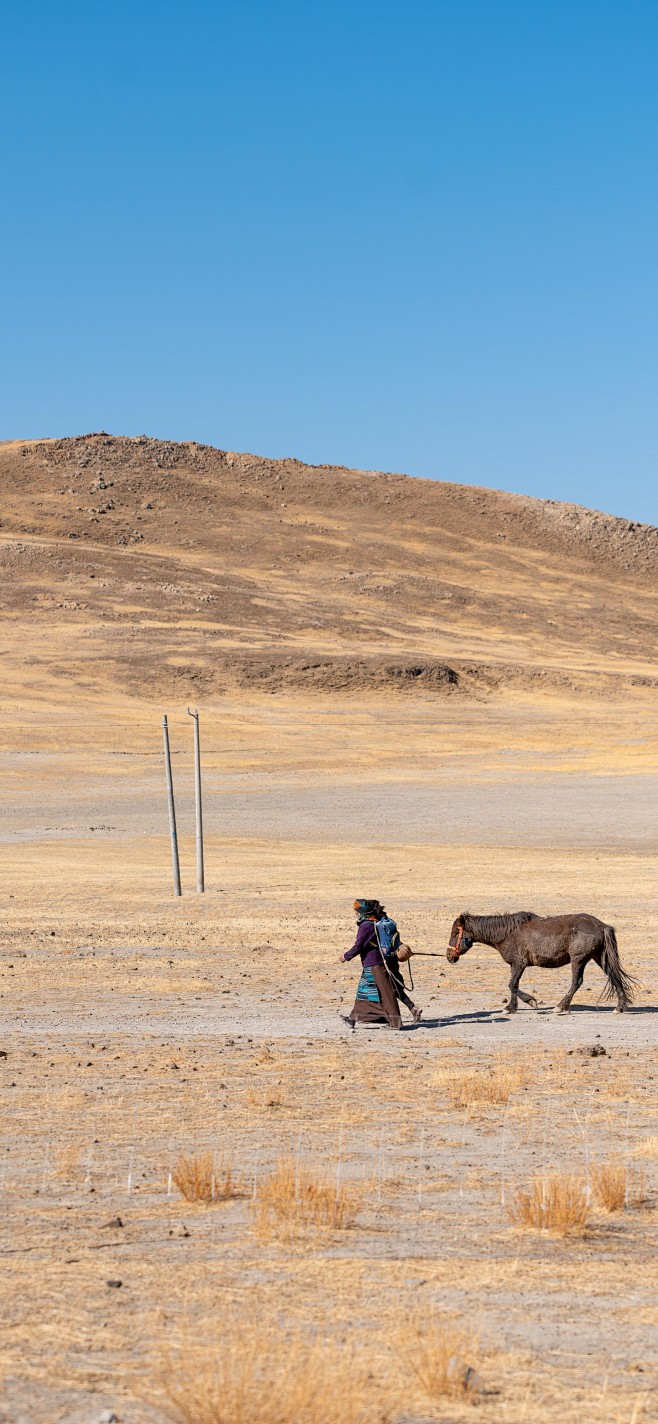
(368, 910)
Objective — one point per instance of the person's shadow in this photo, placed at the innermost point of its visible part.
(445, 1020)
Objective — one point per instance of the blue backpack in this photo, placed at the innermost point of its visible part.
(388, 936)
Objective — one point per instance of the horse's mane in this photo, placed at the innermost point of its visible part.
(496, 926)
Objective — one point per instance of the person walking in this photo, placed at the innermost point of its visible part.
(381, 988)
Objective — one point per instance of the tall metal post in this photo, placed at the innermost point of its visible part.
(172, 809)
(200, 882)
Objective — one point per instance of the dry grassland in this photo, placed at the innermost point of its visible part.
(218, 1206)
(147, 1034)
(259, 1373)
(554, 1202)
(375, 1172)
(201, 1179)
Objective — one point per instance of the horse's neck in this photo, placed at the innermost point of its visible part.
(480, 936)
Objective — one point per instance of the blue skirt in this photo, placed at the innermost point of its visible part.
(367, 989)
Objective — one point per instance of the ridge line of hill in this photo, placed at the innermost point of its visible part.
(628, 545)
(274, 575)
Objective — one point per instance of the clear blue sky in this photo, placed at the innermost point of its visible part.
(415, 235)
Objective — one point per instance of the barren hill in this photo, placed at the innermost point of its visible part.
(178, 569)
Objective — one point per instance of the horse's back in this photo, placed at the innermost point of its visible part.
(567, 924)
(555, 940)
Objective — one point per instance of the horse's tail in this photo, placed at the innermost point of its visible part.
(619, 982)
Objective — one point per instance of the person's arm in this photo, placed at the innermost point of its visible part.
(364, 935)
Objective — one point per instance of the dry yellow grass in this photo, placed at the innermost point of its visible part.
(614, 1186)
(609, 1184)
(648, 1147)
(199, 1180)
(468, 1088)
(442, 1357)
(269, 1098)
(294, 1199)
(557, 1203)
(259, 1375)
(67, 1161)
(618, 1085)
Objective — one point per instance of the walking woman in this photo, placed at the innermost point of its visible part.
(381, 988)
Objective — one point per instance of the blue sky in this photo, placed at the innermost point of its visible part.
(415, 235)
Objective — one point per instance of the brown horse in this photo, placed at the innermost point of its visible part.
(525, 939)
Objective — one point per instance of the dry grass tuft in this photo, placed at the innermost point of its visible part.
(261, 1376)
(609, 1182)
(294, 1199)
(469, 1088)
(199, 1180)
(557, 1203)
(614, 1187)
(270, 1098)
(441, 1356)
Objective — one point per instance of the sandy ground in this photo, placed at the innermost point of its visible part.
(620, 810)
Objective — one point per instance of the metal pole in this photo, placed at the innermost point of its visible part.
(172, 809)
(200, 883)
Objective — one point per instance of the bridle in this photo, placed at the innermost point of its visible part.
(455, 949)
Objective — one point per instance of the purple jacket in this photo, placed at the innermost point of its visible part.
(366, 945)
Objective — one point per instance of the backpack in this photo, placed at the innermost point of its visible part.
(388, 936)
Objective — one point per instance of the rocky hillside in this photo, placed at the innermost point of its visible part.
(159, 567)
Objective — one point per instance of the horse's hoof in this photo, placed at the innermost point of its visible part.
(559, 1010)
(533, 1003)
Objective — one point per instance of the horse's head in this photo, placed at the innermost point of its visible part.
(459, 941)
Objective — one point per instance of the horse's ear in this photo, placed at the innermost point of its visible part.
(460, 919)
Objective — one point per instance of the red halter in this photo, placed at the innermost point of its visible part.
(455, 948)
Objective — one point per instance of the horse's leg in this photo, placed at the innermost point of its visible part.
(528, 999)
(512, 1003)
(577, 975)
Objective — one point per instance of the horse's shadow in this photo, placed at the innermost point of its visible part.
(606, 1009)
(544, 1011)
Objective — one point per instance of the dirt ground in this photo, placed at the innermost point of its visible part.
(138, 1028)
